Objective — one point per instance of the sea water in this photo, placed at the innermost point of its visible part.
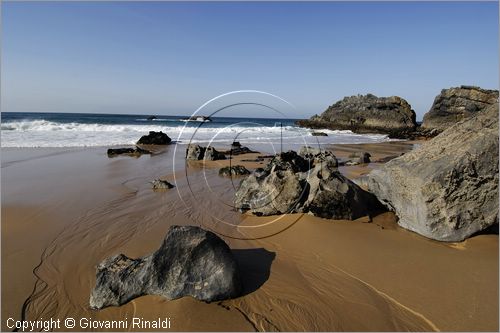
(94, 130)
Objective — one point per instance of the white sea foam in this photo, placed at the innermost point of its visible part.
(43, 133)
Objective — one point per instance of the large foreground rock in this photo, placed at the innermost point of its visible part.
(366, 113)
(190, 262)
(456, 104)
(308, 182)
(447, 189)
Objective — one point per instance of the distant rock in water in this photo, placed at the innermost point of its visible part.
(235, 170)
(159, 184)
(197, 153)
(447, 189)
(455, 104)
(154, 138)
(366, 114)
(308, 182)
(190, 262)
(152, 118)
(319, 134)
(135, 152)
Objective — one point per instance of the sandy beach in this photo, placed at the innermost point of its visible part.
(65, 210)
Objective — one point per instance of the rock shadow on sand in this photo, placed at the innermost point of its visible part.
(255, 267)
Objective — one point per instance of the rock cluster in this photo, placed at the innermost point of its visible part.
(154, 138)
(197, 153)
(366, 113)
(190, 262)
(455, 104)
(308, 182)
(447, 189)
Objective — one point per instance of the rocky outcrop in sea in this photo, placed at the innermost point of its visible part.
(447, 189)
(455, 104)
(154, 138)
(190, 262)
(366, 114)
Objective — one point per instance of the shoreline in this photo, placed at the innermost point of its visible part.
(80, 207)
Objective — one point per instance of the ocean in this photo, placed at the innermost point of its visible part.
(95, 130)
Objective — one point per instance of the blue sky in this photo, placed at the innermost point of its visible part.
(169, 57)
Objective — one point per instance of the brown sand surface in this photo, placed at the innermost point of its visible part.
(63, 211)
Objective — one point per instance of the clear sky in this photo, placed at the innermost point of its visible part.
(169, 57)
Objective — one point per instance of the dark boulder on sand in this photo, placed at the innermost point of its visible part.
(455, 104)
(197, 153)
(159, 184)
(366, 114)
(234, 170)
(447, 189)
(211, 154)
(135, 152)
(310, 183)
(154, 138)
(190, 262)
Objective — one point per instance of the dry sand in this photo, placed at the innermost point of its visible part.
(64, 210)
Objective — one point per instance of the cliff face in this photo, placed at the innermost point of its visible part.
(366, 113)
(455, 104)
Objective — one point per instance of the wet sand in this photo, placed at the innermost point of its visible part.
(65, 210)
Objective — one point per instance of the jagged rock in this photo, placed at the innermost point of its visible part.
(365, 114)
(291, 183)
(319, 134)
(364, 158)
(240, 151)
(309, 152)
(159, 184)
(447, 189)
(455, 104)
(196, 152)
(135, 152)
(190, 262)
(211, 154)
(235, 170)
(154, 138)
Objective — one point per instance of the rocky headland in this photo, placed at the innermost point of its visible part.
(455, 104)
(366, 114)
(395, 117)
